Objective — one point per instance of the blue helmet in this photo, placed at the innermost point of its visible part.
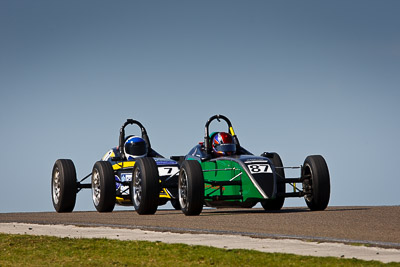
(135, 147)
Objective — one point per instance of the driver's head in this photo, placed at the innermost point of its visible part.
(135, 147)
(223, 145)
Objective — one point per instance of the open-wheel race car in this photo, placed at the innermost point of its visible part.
(131, 174)
(219, 172)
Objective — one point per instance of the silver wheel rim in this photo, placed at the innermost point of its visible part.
(137, 187)
(96, 191)
(183, 189)
(308, 184)
(56, 186)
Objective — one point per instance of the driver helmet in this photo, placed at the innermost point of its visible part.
(223, 145)
(135, 147)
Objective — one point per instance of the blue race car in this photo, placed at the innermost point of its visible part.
(131, 174)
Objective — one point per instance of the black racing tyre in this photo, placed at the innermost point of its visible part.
(63, 185)
(175, 204)
(277, 203)
(316, 182)
(191, 188)
(103, 186)
(145, 187)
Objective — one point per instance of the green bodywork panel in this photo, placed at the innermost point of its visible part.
(227, 170)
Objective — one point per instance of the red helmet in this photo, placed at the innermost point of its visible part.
(223, 145)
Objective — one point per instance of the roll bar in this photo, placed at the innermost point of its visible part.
(122, 135)
(207, 132)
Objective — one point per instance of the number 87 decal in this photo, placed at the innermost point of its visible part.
(259, 168)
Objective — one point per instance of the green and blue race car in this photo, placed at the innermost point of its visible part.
(219, 172)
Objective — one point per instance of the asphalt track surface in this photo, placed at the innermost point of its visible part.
(375, 226)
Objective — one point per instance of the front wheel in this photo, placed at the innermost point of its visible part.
(145, 186)
(191, 188)
(276, 203)
(63, 185)
(316, 182)
(103, 186)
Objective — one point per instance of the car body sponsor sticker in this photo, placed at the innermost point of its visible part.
(164, 162)
(168, 170)
(127, 176)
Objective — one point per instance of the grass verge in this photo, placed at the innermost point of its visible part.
(27, 250)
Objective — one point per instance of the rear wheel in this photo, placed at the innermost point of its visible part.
(145, 186)
(63, 185)
(175, 204)
(249, 204)
(316, 183)
(277, 203)
(191, 188)
(162, 201)
(103, 186)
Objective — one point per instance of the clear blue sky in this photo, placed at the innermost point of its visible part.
(295, 77)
